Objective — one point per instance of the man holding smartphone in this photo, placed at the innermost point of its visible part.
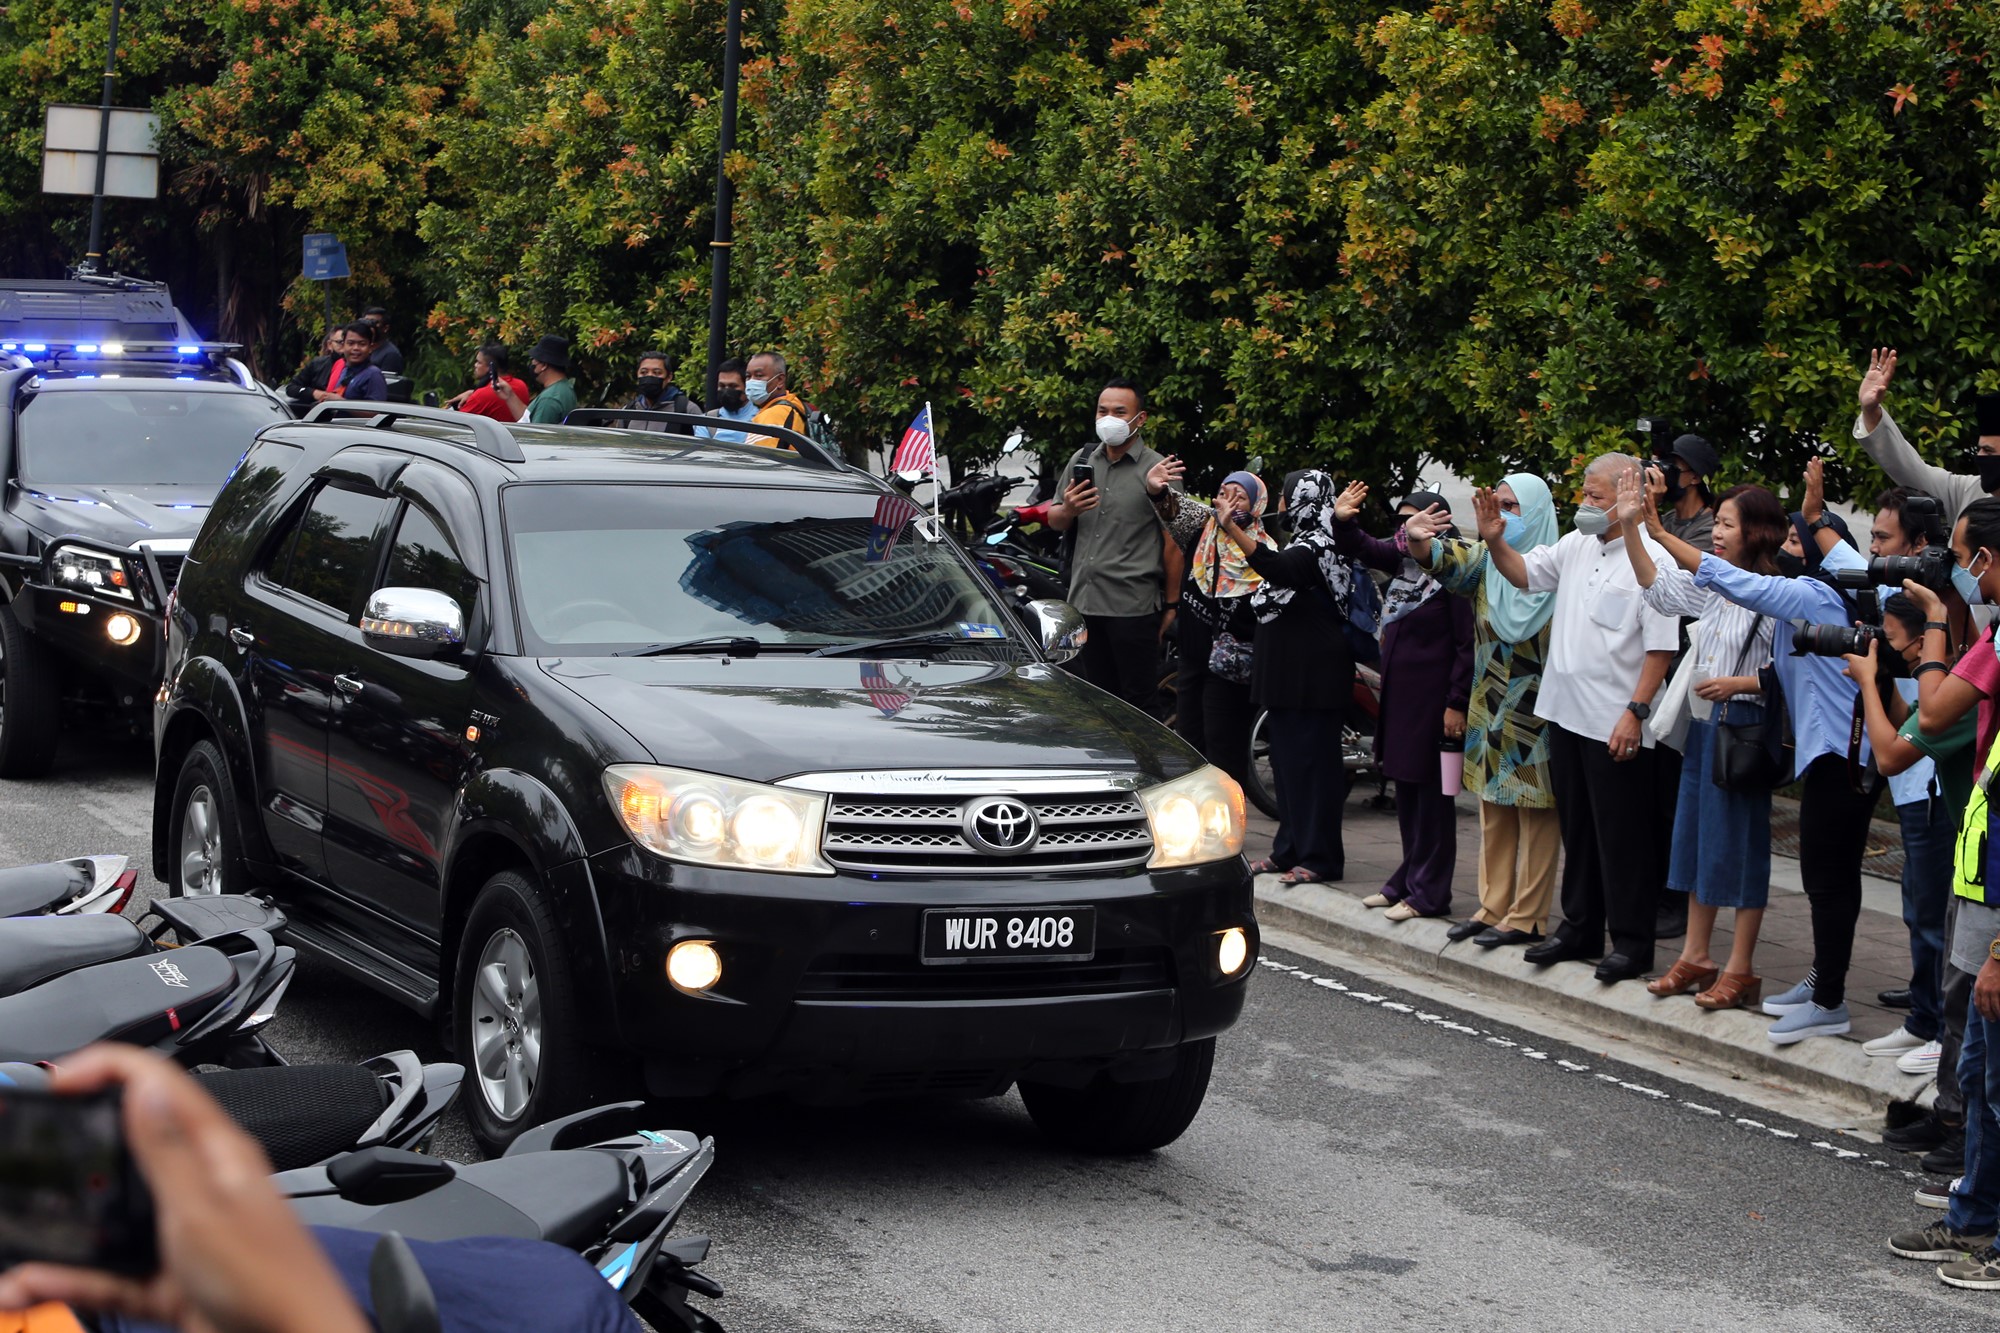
(1118, 495)
(489, 371)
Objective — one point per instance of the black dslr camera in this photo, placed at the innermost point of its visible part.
(1833, 640)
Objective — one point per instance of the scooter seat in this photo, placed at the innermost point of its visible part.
(142, 1001)
(35, 948)
(28, 889)
(567, 1198)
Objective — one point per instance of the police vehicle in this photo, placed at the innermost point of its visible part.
(119, 427)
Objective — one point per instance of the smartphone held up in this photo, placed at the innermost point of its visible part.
(70, 1192)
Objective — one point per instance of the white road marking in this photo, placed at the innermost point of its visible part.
(1570, 1066)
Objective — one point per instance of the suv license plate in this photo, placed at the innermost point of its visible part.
(1047, 934)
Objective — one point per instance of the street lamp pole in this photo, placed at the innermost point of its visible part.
(93, 256)
(725, 199)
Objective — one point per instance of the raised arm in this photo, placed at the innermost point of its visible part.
(1771, 595)
(1506, 561)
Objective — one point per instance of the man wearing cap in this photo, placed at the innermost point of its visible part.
(548, 364)
(1896, 456)
(1688, 510)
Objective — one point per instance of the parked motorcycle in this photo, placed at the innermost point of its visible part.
(80, 886)
(1357, 746)
(35, 949)
(592, 1182)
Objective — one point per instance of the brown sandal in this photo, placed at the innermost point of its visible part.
(1682, 978)
(1733, 991)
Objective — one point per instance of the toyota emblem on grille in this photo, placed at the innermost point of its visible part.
(1000, 825)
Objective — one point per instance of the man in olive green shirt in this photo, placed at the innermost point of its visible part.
(1118, 565)
(548, 365)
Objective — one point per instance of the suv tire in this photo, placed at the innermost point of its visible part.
(517, 1083)
(30, 703)
(1109, 1117)
(207, 847)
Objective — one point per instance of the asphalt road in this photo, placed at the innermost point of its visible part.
(1368, 1159)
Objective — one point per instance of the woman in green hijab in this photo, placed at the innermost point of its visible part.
(1506, 749)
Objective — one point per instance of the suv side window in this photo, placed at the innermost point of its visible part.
(424, 557)
(332, 558)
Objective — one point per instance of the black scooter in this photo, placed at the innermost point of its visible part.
(80, 886)
(593, 1182)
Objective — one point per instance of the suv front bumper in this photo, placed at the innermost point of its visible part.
(74, 624)
(823, 993)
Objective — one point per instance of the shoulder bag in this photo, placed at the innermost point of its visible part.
(1750, 756)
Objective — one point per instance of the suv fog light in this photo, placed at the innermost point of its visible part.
(121, 629)
(694, 965)
(1232, 951)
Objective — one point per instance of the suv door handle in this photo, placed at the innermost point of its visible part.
(348, 684)
(242, 638)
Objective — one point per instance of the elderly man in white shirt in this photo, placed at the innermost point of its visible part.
(1608, 655)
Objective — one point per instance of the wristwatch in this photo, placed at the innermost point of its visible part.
(1823, 521)
(1993, 951)
(1639, 710)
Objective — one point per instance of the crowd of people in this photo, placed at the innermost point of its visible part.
(1626, 697)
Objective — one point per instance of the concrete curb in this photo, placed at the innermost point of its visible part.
(1732, 1041)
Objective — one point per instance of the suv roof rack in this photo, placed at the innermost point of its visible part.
(811, 450)
(489, 437)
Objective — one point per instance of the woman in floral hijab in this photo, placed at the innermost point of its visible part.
(1217, 628)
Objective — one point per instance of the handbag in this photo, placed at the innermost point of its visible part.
(1671, 710)
(1750, 756)
(1229, 657)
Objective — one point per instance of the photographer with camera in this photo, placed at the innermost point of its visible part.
(1839, 792)
(1906, 544)
(1690, 505)
(1721, 842)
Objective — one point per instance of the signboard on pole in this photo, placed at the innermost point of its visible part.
(70, 136)
(325, 257)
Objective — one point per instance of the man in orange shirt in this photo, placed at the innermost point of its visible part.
(776, 404)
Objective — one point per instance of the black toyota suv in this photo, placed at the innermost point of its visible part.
(616, 749)
(110, 452)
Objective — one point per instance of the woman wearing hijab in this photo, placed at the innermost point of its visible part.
(1426, 684)
(1303, 673)
(1506, 745)
(1213, 712)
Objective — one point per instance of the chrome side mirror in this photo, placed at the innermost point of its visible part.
(413, 622)
(1061, 627)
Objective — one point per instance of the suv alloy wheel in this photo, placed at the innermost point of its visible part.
(207, 848)
(515, 1014)
(30, 716)
(1109, 1117)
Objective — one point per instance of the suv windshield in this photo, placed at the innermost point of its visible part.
(140, 437)
(607, 568)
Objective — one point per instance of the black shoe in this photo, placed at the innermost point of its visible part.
(1894, 999)
(1556, 949)
(1495, 937)
(1672, 920)
(1465, 930)
(1919, 1136)
(1948, 1158)
(1621, 967)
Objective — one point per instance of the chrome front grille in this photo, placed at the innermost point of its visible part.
(926, 834)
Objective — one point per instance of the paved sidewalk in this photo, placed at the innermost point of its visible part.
(1734, 1042)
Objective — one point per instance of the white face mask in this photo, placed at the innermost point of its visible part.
(1114, 431)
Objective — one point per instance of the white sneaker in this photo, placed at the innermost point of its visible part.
(1922, 1061)
(1899, 1042)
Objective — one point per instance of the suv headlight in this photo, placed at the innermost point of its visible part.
(99, 573)
(715, 821)
(1195, 819)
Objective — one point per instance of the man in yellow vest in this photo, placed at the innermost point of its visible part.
(770, 393)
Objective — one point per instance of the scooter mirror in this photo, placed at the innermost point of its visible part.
(1014, 441)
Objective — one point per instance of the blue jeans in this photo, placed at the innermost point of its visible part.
(1929, 833)
(1975, 1204)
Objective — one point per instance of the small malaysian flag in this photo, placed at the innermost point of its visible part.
(887, 698)
(893, 513)
(916, 453)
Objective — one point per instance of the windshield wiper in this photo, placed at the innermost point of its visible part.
(735, 645)
(935, 639)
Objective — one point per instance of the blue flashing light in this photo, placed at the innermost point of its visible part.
(188, 351)
(10, 347)
(86, 377)
(183, 377)
(86, 347)
(35, 347)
